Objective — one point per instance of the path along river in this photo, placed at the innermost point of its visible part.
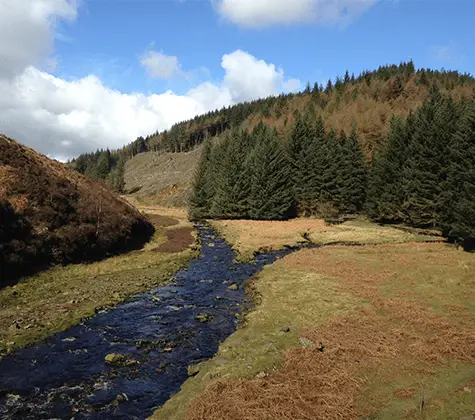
(66, 376)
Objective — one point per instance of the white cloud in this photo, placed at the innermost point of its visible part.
(63, 118)
(248, 78)
(26, 32)
(292, 85)
(159, 65)
(263, 13)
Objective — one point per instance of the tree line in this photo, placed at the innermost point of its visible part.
(422, 175)
(386, 84)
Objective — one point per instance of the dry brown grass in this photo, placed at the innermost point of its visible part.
(412, 327)
(250, 236)
(162, 178)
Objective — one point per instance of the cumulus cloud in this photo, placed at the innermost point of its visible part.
(26, 32)
(62, 118)
(263, 13)
(159, 65)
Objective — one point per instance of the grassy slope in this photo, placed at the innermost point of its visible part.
(393, 319)
(59, 298)
(162, 178)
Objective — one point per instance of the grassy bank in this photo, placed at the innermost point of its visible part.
(375, 332)
(59, 298)
(250, 236)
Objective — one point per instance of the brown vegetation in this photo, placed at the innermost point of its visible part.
(250, 236)
(61, 297)
(177, 240)
(50, 214)
(410, 334)
(161, 178)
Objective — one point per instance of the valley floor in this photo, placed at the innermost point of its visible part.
(380, 331)
(58, 298)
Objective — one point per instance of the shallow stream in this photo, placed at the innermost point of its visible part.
(66, 376)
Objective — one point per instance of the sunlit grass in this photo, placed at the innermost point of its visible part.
(58, 298)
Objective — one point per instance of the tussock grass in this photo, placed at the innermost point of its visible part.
(394, 319)
(58, 298)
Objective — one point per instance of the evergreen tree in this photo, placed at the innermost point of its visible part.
(271, 195)
(425, 172)
(330, 173)
(117, 176)
(458, 213)
(318, 160)
(233, 183)
(308, 88)
(353, 173)
(202, 187)
(385, 189)
(347, 79)
(103, 165)
(301, 165)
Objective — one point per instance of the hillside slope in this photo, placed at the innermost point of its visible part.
(165, 177)
(50, 214)
(366, 102)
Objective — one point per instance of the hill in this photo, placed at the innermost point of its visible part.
(366, 102)
(164, 178)
(50, 214)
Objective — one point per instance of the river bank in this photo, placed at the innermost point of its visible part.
(344, 332)
(54, 300)
(127, 361)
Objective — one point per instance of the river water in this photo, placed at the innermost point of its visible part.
(66, 376)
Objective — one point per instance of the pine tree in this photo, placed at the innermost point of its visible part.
(318, 161)
(301, 164)
(426, 169)
(330, 174)
(347, 79)
(116, 177)
(458, 213)
(271, 195)
(385, 187)
(353, 173)
(233, 184)
(202, 186)
(103, 164)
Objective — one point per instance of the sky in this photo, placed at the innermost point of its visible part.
(78, 75)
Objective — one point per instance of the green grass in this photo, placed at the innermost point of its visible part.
(283, 302)
(61, 297)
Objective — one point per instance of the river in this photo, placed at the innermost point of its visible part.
(66, 377)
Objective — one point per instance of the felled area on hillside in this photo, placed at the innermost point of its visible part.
(50, 214)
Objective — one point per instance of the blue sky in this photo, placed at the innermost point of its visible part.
(78, 75)
(108, 36)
